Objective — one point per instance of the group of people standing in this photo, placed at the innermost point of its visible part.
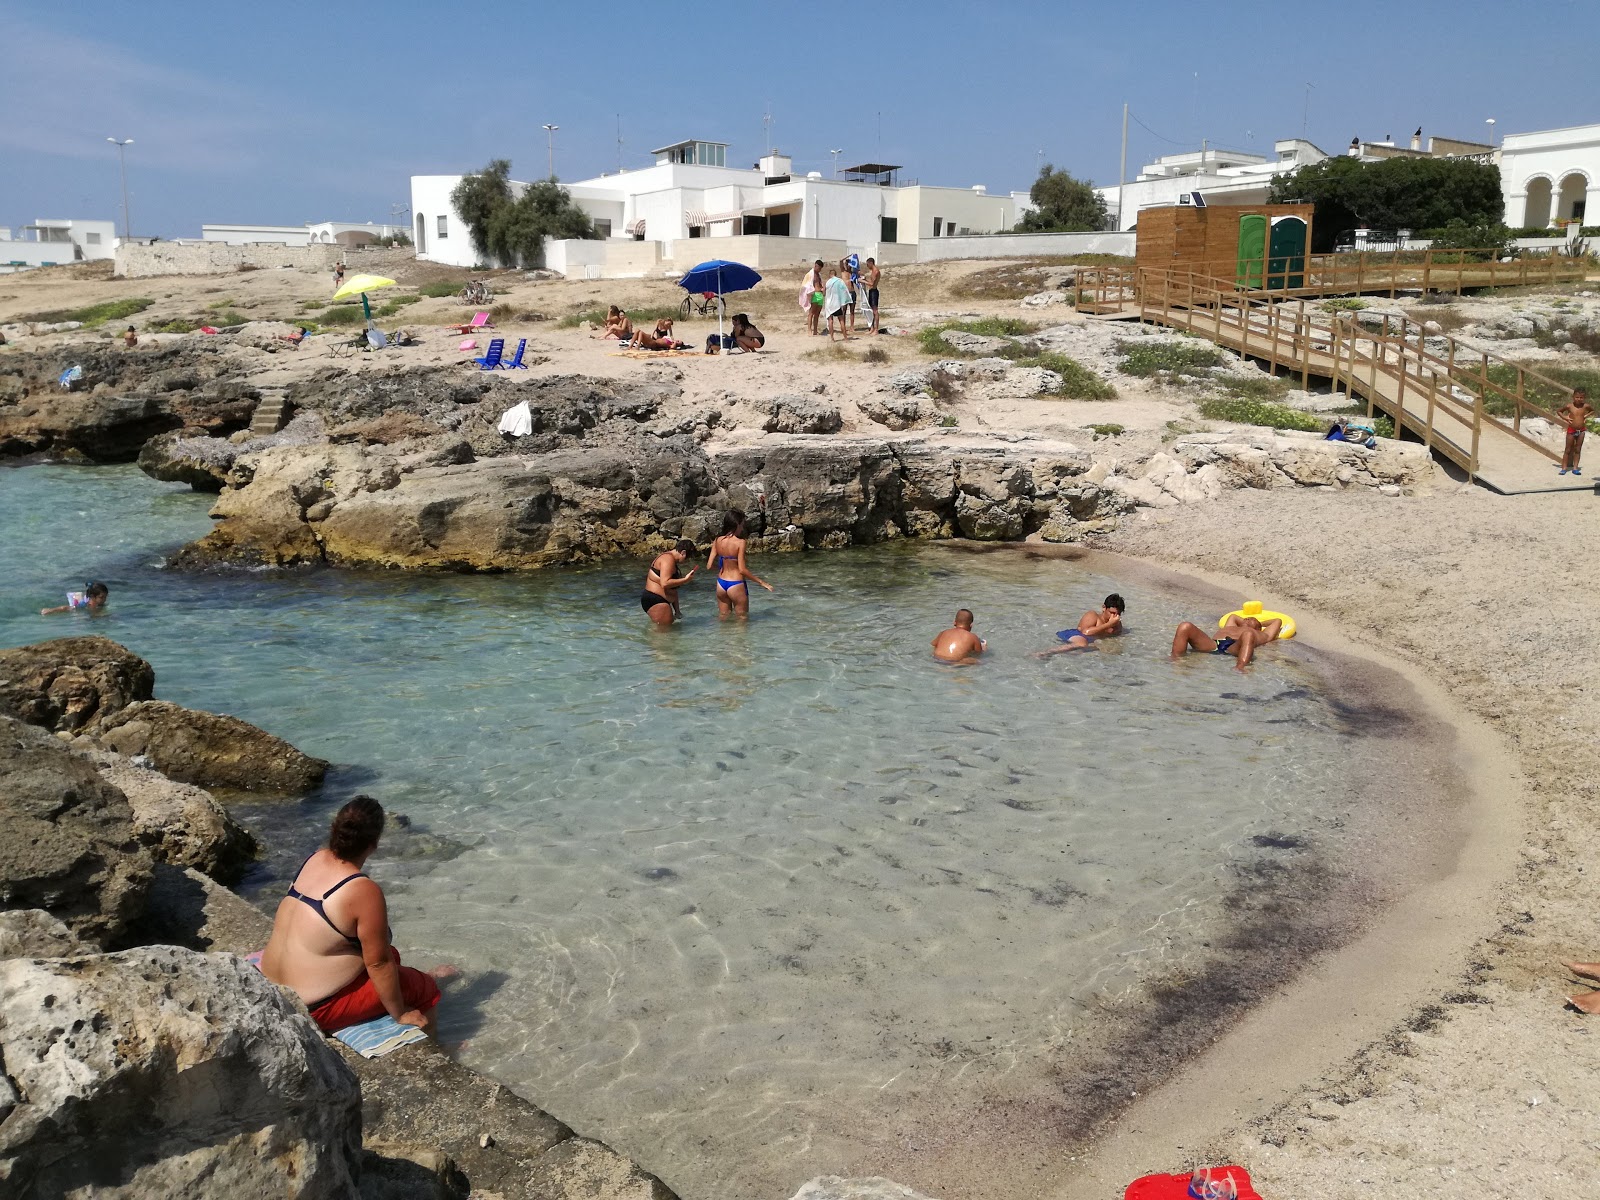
(835, 297)
(727, 558)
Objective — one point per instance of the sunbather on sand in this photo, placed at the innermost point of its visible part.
(1240, 637)
(617, 325)
(745, 335)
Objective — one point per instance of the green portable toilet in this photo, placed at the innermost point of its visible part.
(1286, 260)
(1252, 250)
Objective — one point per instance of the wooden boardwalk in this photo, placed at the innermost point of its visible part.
(1466, 405)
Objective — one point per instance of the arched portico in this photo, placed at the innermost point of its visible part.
(1572, 197)
(1536, 208)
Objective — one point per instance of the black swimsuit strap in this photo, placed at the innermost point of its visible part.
(342, 882)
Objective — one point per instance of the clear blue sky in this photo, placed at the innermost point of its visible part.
(290, 112)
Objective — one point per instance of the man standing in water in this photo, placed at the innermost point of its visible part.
(1240, 637)
(959, 643)
(1576, 413)
(660, 598)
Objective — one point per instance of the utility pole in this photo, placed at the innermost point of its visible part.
(1122, 170)
(122, 161)
(1305, 115)
(619, 143)
(550, 147)
(766, 125)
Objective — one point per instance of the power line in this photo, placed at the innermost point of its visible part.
(1154, 134)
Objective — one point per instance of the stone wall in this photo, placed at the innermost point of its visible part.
(1024, 245)
(220, 258)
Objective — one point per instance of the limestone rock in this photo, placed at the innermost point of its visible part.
(1044, 299)
(180, 823)
(34, 933)
(580, 1169)
(973, 343)
(165, 1072)
(876, 1187)
(67, 842)
(201, 462)
(210, 749)
(896, 412)
(69, 684)
(795, 413)
(85, 425)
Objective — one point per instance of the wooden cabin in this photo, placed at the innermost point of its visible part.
(1255, 245)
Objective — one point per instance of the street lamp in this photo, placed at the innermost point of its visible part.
(1489, 121)
(122, 160)
(550, 134)
(836, 154)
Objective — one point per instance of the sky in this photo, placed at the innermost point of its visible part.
(290, 113)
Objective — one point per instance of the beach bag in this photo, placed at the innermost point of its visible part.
(712, 345)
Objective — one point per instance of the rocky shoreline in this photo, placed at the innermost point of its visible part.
(142, 1055)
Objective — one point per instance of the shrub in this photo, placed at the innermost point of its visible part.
(1107, 430)
(1344, 304)
(1077, 381)
(227, 317)
(944, 386)
(597, 316)
(440, 289)
(1268, 388)
(931, 342)
(390, 307)
(176, 325)
(875, 354)
(95, 314)
(1145, 359)
(512, 229)
(1244, 411)
(342, 314)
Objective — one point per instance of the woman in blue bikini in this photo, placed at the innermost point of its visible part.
(733, 577)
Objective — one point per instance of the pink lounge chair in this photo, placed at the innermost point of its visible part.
(479, 321)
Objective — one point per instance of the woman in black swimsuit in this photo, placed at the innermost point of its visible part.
(745, 335)
(661, 584)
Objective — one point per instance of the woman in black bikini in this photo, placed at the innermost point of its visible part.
(661, 584)
(733, 578)
(745, 335)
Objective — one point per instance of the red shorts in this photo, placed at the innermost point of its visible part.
(357, 1001)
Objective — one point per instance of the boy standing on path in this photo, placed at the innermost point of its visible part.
(872, 277)
(1576, 413)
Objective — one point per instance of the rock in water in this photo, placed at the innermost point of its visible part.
(210, 749)
(67, 843)
(71, 683)
(165, 1072)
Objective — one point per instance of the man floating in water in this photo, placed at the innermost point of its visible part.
(661, 584)
(1107, 622)
(959, 643)
(1240, 637)
(93, 599)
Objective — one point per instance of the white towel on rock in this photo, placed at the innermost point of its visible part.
(517, 420)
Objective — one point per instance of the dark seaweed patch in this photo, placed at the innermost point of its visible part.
(1372, 720)
(1277, 841)
(1057, 894)
(660, 873)
(1022, 805)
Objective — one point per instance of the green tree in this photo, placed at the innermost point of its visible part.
(510, 229)
(1392, 193)
(478, 197)
(1063, 204)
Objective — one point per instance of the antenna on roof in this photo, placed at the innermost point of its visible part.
(619, 143)
(766, 125)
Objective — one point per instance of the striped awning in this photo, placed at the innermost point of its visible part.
(637, 227)
(717, 218)
(695, 217)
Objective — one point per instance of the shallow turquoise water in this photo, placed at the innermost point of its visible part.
(731, 894)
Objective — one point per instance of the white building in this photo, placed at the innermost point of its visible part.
(691, 194)
(343, 233)
(48, 243)
(1551, 176)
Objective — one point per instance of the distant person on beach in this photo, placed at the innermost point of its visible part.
(92, 599)
(661, 584)
(836, 300)
(959, 643)
(1576, 413)
(851, 264)
(745, 335)
(331, 943)
(661, 339)
(1585, 1002)
(1240, 637)
(813, 291)
(872, 277)
(338, 275)
(617, 324)
(297, 338)
(733, 577)
(1105, 622)
(130, 339)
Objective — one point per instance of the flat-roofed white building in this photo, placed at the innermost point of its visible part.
(690, 194)
(342, 233)
(1552, 176)
(51, 242)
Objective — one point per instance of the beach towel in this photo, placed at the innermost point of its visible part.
(371, 1039)
(468, 344)
(517, 420)
(838, 297)
(1215, 1183)
(656, 354)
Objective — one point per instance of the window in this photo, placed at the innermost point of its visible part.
(754, 225)
(1578, 207)
(708, 155)
(697, 231)
(602, 229)
(444, 227)
(778, 224)
(94, 238)
(938, 225)
(888, 229)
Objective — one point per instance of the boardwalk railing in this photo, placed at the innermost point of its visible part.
(1445, 392)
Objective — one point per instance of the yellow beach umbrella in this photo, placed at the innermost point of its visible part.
(360, 285)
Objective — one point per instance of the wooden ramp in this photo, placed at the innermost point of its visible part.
(1467, 406)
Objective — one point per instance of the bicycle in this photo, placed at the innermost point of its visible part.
(704, 305)
(477, 292)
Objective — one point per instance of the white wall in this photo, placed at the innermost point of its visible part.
(975, 211)
(1025, 245)
(1548, 158)
(250, 235)
(430, 199)
(86, 241)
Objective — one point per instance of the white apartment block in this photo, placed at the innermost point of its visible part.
(48, 243)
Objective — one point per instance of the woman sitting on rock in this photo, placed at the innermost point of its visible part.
(330, 939)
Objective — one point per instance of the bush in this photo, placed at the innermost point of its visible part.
(95, 314)
(932, 343)
(1269, 388)
(227, 317)
(1393, 193)
(1344, 304)
(1107, 430)
(342, 314)
(390, 307)
(441, 289)
(1077, 381)
(1146, 359)
(1458, 235)
(1243, 411)
(176, 325)
(875, 354)
(512, 229)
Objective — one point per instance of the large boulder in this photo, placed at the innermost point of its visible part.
(99, 427)
(67, 842)
(180, 823)
(71, 683)
(796, 413)
(201, 462)
(166, 1072)
(210, 749)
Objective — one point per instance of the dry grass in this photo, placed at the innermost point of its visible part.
(1014, 280)
(1449, 318)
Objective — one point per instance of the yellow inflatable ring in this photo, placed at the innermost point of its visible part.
(1252, 608)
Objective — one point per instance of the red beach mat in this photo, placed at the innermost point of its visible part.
(1206, 1183)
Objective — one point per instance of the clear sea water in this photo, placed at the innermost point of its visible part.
(733, 897)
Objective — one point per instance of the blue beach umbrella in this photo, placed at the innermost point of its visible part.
(719, 277)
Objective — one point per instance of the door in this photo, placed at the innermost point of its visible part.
(1286, 258)
(1252, 249)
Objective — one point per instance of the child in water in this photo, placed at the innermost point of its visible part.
(93, 598)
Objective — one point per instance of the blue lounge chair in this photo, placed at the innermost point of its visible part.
(516, 363)
(491, 360)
